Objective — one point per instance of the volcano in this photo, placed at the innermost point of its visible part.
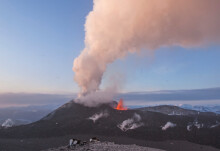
(120, 105)
(105, 120)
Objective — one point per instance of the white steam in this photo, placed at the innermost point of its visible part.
(215, 125)
(8, 123)
(189, 127)
(131, 123)
(168, 125)
(117, 27)
(97, 116)
(94, 98)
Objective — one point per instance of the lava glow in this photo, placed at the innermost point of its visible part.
(120, 105)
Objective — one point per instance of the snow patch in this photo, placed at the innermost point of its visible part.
(202, 108)
(173, 113)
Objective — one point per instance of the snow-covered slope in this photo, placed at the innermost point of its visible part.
(202, 108)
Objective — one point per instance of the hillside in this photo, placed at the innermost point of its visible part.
(73, 118)
(174, 110)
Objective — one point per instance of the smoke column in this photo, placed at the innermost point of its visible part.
(115, 28)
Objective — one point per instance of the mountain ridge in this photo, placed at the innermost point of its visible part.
(73, 118)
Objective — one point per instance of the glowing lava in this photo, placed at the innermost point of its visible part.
(120, 105)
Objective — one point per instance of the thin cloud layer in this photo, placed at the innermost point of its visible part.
(207, 96)
(28, 99)
(174, 95)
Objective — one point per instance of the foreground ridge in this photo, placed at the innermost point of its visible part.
(107, 146)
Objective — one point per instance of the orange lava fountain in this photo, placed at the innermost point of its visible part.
(120, 105)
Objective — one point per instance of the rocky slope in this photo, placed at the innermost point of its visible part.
(73, 118)
(104, 146)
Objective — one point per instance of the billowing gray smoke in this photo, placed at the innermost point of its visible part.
(115, 28)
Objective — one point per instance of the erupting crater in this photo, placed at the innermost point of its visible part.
(120, 105)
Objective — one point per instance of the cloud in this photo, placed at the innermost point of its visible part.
(196, 96)
(27, 99)
(174, 95)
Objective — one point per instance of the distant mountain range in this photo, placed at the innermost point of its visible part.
(202, 108)
(169, 110)
(199, 108)
(182, 110)
(29, 114)
(25, 115)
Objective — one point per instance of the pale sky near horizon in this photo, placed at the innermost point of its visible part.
(40, 39)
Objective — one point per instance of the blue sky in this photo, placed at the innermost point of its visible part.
(40, 39)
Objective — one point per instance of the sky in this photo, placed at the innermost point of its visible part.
(40, 39)
(38, 43)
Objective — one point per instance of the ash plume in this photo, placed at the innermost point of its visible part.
(115, 28)
(94, 98)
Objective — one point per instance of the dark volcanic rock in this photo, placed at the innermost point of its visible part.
(107, 146)
(73, 118)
